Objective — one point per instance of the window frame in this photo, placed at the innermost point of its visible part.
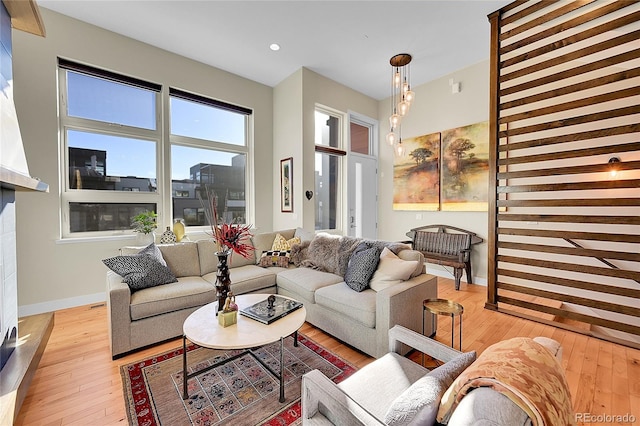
(161, 136)
(341, 153)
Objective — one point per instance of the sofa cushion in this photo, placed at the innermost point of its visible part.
(140, 271)
(377, 384)
(413, 255)
(362, 264)
(304, 235)
(360, 307)
(264, 241)
(419, 403)
(391, 270)
(182, 258)
(275, 258)
(305, 281)
(209, 261)
(248, 278)
(188, 292)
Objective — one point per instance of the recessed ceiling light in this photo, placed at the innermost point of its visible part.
(274, 46)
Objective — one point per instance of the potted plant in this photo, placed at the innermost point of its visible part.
(144, 224)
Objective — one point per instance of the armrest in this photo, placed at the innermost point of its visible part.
(118, 311)
(399, 334)
(318, 390)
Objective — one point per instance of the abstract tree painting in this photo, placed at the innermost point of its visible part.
(465, 168)
(416, 177)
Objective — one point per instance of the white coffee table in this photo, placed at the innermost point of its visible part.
(202, 328)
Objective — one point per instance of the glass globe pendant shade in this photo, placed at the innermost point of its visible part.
(391, 138)
(403, 108)
(396, 79)
(400, 149)
(394, 120)
(409, 96)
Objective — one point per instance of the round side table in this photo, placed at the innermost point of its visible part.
(444, 307)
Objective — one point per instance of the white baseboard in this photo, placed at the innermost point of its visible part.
(55, 305)
(441, 272)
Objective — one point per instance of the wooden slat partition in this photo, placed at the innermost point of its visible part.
(564, 230)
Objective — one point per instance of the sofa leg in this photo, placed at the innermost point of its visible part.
(457, 273)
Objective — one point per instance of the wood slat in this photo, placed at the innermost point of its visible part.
(574, 104)
(571, 202)
(566, 171)
(572, 23)
(581, 119)
(594, 270)
(612, 220)
(570, 251)
(582, 301)
(543, 19)
(575, 38)
(573, 137)
(571, 186)
(627, 328)
(572, 56)
(573, 88)
(526, 11)
(566, 282)
(576, 153)
(572, 235)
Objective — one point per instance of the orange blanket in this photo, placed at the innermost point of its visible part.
(526, 373)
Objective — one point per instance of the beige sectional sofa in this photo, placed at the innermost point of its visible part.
(151, 315)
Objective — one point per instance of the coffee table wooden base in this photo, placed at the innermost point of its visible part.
(279, 376)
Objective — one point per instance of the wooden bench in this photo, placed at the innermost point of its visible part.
(446, 248)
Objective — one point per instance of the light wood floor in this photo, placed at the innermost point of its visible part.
(78, 383)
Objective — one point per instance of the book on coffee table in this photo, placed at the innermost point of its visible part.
(262, 312)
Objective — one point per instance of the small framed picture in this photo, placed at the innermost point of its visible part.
(286, 185)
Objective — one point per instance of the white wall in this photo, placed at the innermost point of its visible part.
(54, 275)
(436, 109)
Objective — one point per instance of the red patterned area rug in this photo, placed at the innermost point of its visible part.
(241, 392)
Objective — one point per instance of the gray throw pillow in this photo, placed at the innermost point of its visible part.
(153, 251)
(419, 403)
(362, 265)
(140, 271)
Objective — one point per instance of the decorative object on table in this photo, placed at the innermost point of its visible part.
(152, 387)
(168, 237)
(229, 314)
(271, 309)
(144, 224)
(286, 185)
(229, 237)
(178, 229)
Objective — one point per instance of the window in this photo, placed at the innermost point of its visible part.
(208, 150)
(328, 165)
(111, 132)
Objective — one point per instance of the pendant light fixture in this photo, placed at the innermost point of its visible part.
(401, 98)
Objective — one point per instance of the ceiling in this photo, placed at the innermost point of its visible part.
(350, 42)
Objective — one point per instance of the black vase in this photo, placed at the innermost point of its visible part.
(223, 281)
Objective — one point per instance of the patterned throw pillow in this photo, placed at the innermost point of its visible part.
(275, 258)
(362, 265)
(140, 271)
(280, 243)
(419, 403)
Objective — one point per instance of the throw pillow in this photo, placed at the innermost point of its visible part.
(299, 252)
(419, 403)
(153, 251)
(362, 265)
(304, 235)
(140, 271)
(391, 270)
(275, 258)
(280, 243)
